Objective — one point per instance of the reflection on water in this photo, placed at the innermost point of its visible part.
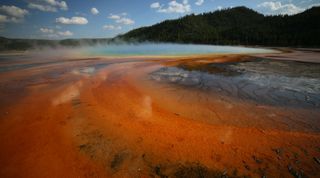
(265, 81)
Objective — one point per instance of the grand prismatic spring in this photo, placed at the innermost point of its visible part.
(159, 110)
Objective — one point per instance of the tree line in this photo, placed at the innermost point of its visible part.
(235, 26)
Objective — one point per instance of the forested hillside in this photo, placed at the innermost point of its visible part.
(235, 26)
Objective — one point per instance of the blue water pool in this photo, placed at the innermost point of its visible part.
(150, 49)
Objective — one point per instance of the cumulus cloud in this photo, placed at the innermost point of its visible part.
(111, 27)
(42, 7)
(52, 33)
(172, 7)
(199, 2)
(155, 5)
(73, 20)
(66, 33)
(125, 21)
(94, 11)
(121, 19)
(13, 11)
(276, 7)
(46, 30)
(114, 17)
(12, 14)
(47, 5)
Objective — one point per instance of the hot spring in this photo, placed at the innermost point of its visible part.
(146, 49)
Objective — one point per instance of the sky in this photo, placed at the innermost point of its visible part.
(61, 19)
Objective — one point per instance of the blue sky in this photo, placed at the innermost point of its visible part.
(57, 19)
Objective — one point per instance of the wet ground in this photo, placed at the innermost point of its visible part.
(205, 116)
(272, 82)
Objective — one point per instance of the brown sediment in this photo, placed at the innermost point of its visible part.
(72, 119)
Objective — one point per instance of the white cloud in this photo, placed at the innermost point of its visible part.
(42, 7)
(46, 30)
(173, 7)
(125, 21)
(52, 33)
(111, 27)
(199, 2)
(94, 11)
(66, 33)
(121, 19)
(219, 8)
(73, 20)
(61, 4)
(114, 17)
(14, 11)
(155, 5)
(12, 14)
(47, 5)
(276, 7)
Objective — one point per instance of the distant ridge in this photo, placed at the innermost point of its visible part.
(235, 26)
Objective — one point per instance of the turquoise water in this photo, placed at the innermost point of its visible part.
(168, 50)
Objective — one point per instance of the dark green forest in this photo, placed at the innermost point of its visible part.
(236, 26)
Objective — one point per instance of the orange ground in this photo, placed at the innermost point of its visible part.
(66, 119)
